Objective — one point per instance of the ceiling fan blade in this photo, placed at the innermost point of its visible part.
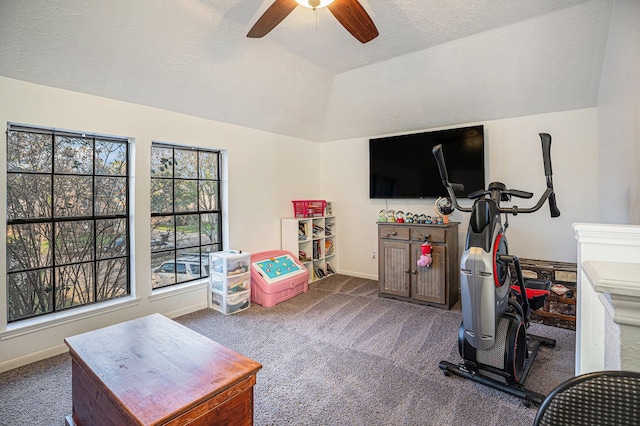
(355, 19)
(279, 10)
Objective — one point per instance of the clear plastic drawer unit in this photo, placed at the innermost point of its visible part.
(230, 281)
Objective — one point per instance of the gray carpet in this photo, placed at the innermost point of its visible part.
(336, 355)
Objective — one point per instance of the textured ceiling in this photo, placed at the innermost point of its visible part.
(435, 63)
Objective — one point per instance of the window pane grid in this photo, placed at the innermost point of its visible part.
(85, 209)
(184, 194)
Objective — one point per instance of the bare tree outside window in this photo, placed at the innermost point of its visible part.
(67, 220)
(185, 212)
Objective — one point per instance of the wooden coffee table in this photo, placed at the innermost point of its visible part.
(154, 371)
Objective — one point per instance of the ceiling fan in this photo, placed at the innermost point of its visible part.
(349, 13)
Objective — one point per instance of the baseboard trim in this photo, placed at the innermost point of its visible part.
(33, 357)
(185, 311)
(358, 275)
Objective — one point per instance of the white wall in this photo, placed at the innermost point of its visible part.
(265, 172)
(513, 156)
(619, 118)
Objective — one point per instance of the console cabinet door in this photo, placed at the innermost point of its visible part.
(394, 272)
(429, 283)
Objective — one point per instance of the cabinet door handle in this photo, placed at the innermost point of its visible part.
(394, 233)
(407, 271)
(414, 272)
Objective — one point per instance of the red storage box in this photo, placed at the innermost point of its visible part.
(536, 291)
(276, 276)
(308, 208)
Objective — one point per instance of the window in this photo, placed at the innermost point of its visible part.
(67, 220)
(185, 212)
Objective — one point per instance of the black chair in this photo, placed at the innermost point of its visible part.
(600, 398)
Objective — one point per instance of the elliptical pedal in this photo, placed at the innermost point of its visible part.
(528, 396)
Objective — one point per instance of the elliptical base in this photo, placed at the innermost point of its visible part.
(518, 390)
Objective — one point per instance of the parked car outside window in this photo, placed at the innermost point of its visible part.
(185, 268)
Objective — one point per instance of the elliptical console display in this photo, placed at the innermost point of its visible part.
(496, 307)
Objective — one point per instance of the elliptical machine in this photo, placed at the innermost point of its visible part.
(492, 339)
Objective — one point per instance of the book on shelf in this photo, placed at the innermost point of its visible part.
(328, 229)
(303, 256)
(318, 272)
(330, 269)
(328, 247)
(302, 231)
(317, 230)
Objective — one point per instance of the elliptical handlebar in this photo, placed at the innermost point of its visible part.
(520, 194)
(511, 192)
(548, 194)
(451, 187)
(546, 155)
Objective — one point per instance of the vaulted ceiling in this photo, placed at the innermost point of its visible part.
(435, 62)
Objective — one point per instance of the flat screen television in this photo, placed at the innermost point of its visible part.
(404, 167)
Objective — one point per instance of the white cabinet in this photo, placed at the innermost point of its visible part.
(314, 240)
(229, 281)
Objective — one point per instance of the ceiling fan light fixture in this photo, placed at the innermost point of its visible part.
(314, 4)
(349, 13)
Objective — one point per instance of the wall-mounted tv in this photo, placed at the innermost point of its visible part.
(404, 167)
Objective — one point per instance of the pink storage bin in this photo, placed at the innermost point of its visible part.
(276, 276)
(309, 208)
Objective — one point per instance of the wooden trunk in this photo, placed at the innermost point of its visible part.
(154, 371)
(558, 311)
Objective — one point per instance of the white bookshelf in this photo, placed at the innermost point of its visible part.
(316, 238)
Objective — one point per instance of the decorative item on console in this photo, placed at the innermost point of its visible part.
(425, 258)
(444, 207)
(391, 215)
(420, 218)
